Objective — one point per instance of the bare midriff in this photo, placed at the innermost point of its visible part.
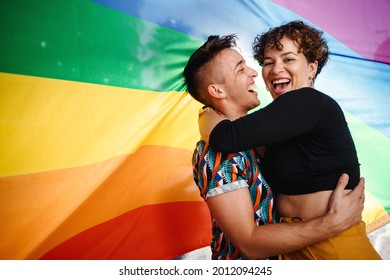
(304, 206)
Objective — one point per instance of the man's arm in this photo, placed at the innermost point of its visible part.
(234, 214)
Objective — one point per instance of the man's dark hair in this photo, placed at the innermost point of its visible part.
(195, 73)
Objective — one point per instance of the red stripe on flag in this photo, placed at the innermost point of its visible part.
(160, 231)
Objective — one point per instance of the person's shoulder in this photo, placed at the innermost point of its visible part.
(322, 95)
(304, 90)
(225, 161)
(200, 146)
(302, 95)
(202, 149)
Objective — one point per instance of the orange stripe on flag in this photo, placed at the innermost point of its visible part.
(40, 211)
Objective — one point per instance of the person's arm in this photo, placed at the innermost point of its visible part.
(289, 116)
(234, 214)
(208, 119)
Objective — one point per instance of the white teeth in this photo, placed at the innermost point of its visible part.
(251, 88)
(281, 81)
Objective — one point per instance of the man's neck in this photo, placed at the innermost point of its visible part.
(231, 113)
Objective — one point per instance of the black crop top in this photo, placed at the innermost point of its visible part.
(308, 142)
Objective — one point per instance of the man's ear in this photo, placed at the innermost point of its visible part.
(216, 91)
(213, 90)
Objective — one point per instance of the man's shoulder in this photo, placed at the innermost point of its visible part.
(203, 148)
(204, 153)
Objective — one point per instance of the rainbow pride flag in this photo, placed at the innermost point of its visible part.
(97, 131)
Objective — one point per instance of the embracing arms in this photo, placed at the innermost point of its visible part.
(234, 214)
(289, 116)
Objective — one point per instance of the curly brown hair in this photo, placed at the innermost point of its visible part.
(310, 42)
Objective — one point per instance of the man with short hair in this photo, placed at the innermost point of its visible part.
(244, 218)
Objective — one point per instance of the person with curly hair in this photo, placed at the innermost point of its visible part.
(305, 134)
(241, 203)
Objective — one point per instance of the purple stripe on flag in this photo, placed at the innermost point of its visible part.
(349, 21)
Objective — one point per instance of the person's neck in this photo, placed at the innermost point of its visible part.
(231, 113)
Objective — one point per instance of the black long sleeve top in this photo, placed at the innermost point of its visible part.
(307, 137)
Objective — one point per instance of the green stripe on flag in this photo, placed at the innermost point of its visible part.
(374, 152)
(83, 41)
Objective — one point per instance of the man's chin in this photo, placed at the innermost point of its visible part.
(256, 104)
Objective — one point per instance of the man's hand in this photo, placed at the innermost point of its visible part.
(346, 209)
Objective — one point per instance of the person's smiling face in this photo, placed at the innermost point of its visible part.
(238, 81)
(286, 69)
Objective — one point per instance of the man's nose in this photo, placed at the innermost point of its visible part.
(252, 72)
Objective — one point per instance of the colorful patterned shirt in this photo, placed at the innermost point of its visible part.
(216, 173)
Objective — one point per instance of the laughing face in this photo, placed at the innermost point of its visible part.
(238, 84)
(287, 69)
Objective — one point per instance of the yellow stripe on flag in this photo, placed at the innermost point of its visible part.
(48, 124)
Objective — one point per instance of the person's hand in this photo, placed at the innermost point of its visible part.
(346, 208)
(208, 119)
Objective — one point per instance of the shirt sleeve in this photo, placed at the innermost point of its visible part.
(290, 115)
(221, 175)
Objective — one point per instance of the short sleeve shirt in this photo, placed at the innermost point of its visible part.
(216, 173)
